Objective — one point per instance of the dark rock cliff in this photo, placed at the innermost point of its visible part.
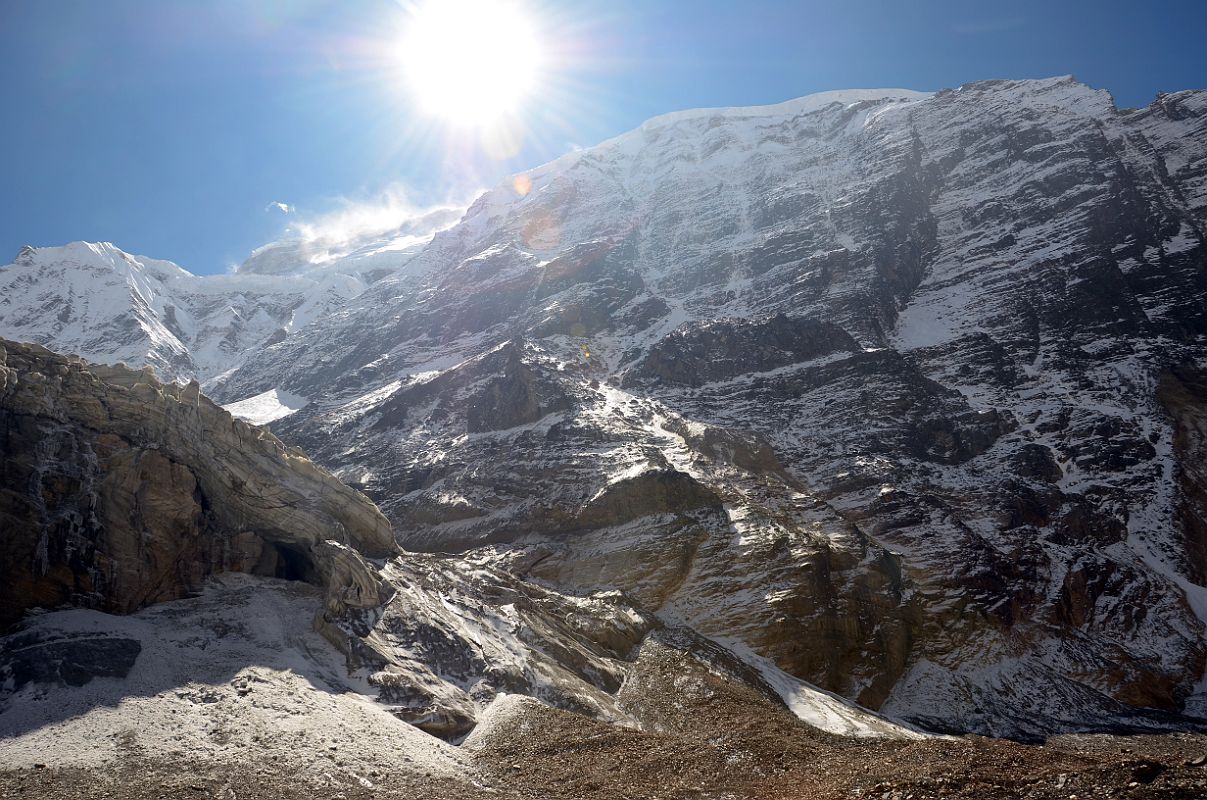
(118, 491)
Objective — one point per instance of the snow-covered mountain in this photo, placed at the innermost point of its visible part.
(902, 392)
(106, 305)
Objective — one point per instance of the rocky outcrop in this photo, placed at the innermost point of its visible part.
(1183, 393)
(119, 491)
(457, 633)
(31, 657)
(730, 348)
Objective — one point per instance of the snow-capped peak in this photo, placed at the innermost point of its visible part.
(106, 305)
(96, 255)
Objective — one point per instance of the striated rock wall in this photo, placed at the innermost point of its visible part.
(118, 491)
(1183, 393)
(936, 320)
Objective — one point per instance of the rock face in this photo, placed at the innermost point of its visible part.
(869, 383)
(31, 658)
(866, 381)
(120, 491)
(1183, 392)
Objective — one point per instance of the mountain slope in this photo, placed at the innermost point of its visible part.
(121, 492)
(942, 319)
(228, 691)
(865, 384)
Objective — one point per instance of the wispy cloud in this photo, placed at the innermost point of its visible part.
(353, 223)
(356, 220)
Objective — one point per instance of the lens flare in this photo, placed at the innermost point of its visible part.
(470, 62)
(503, 139)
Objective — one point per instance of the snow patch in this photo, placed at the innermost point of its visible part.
(267, 406)
(239, 668)
(821, 709)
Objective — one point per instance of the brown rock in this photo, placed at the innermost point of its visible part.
(119, 491)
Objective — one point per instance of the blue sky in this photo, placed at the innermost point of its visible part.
(169, 126)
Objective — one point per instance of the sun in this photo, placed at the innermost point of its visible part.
(470, 62)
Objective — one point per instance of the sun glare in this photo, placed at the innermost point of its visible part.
(470, 61)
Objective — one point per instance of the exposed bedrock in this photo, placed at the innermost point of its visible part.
(1183, 393)
(118, 491)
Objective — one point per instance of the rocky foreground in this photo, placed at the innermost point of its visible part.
(555, 754)
(263, 710)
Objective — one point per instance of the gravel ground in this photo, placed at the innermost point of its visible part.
(693, 733)
(549, 754)
(555, 757)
